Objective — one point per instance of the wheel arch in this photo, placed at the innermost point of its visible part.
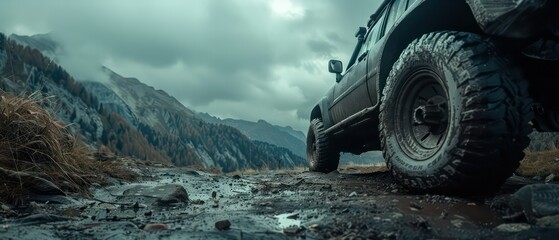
(320, 111)
(452, 15)
(316, 112)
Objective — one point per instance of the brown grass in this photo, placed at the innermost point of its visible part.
(34, 146)
(540, 164)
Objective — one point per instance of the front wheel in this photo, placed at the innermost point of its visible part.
(321, 154)
(453, 118)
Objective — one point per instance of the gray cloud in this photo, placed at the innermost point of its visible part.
(231, 58)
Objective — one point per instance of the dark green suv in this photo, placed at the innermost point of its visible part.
(447, 89)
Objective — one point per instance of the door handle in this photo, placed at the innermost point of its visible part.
(363, 56)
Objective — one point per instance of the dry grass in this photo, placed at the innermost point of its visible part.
(35, 147)
(540, 163)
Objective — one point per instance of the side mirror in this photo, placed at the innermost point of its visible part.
(337, 67)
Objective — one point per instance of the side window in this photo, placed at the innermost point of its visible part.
(393, 15)
(375, 32)
(410, 2)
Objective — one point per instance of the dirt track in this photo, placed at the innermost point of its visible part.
(273, 205)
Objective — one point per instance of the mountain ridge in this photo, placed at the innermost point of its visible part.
(135, 119)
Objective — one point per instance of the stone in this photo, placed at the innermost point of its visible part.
(5, 208)
(512, 227)
(177, 195)
(315, 227)
(292, 231)
(153, 227)
(353, 194)
(163, 195)
(549, 222)
(45, 187)
(550, 178)
(536, 201)
(223, 225)
(415, 205)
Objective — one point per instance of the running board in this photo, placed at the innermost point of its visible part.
(355, 119)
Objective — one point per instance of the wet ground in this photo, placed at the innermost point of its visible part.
(187, 204)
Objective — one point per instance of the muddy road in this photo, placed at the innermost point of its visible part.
(187, 204)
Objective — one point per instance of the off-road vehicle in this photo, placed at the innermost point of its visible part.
(448, 89)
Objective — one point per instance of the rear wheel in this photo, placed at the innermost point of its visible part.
(453, 118)
(322, 156)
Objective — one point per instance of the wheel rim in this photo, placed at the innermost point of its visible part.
(422, 115)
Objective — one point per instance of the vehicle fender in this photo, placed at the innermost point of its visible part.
(422, 18)
(321, 111)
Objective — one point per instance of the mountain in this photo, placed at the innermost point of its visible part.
(42, 42)
(264, 132)
(130, 117)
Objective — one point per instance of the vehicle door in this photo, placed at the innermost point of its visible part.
(351, 94)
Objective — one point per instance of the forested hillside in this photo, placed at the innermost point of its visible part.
(151, 126)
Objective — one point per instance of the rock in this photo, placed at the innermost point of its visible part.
(550, 178)
(197, 202)
(5, 208)
(444, 214)
(293, 216)
(537, 178)
(152, 227)
(512, 227)
(45, 187)
(163, 195)
(315, 227)
(422, 223)
(178, 195)
(214, 194)
(549, 221)
(457, 223)
(415, 205)
(37, 185)
(292, 231)
(353, 194)
(223, 225)
(148, 213)
(536, 201)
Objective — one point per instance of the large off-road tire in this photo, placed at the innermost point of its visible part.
(322, 156)
(454, 115)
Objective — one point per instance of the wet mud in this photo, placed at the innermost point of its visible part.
(187, 204)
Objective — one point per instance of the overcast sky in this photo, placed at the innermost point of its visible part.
(245, 59)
